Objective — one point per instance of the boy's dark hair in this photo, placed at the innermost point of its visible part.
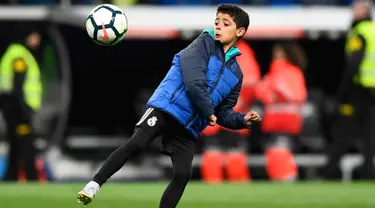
(240, 17)
(294, 53)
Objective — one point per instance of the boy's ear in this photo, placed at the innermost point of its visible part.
(241, 31)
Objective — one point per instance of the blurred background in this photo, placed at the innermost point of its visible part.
(92, 96)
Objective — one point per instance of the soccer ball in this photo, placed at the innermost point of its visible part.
(106, 24)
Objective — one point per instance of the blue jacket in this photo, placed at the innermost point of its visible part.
(202, 81)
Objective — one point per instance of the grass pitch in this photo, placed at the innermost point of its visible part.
(197, 195)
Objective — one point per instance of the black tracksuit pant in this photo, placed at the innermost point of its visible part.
(177, 143)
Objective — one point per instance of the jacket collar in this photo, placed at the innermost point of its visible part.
(232, 52)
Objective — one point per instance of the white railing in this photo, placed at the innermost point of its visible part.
(306, 18)
(170, 22)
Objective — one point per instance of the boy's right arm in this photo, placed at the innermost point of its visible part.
(193, 62)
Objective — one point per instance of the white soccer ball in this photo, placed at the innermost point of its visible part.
(106, 24)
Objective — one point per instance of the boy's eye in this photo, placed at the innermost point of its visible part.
(216, 23)
(226, 24)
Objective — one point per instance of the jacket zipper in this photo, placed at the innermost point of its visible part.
(212, 89)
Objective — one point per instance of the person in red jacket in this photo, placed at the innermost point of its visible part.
(283, 93)
(225, 152)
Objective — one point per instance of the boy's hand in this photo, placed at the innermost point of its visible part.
(211, 120)
(251, 117)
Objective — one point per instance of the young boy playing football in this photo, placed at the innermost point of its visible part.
(200, 89)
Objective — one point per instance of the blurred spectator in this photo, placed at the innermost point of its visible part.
(283, 93)
(356, 94)
(21, 88)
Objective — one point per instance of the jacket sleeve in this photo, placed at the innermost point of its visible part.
(193, 62)
(225, 114)
(354, 60)
(13, 67)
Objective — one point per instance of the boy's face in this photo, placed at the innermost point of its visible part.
(226, 30)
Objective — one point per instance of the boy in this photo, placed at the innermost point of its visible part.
(200, 89)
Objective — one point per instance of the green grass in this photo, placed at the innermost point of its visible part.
(197, 195)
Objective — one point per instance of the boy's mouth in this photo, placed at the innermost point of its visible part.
(217, 36)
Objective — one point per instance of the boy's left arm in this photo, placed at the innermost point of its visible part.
(225, 114)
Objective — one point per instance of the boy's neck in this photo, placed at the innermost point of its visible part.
(228, 46)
